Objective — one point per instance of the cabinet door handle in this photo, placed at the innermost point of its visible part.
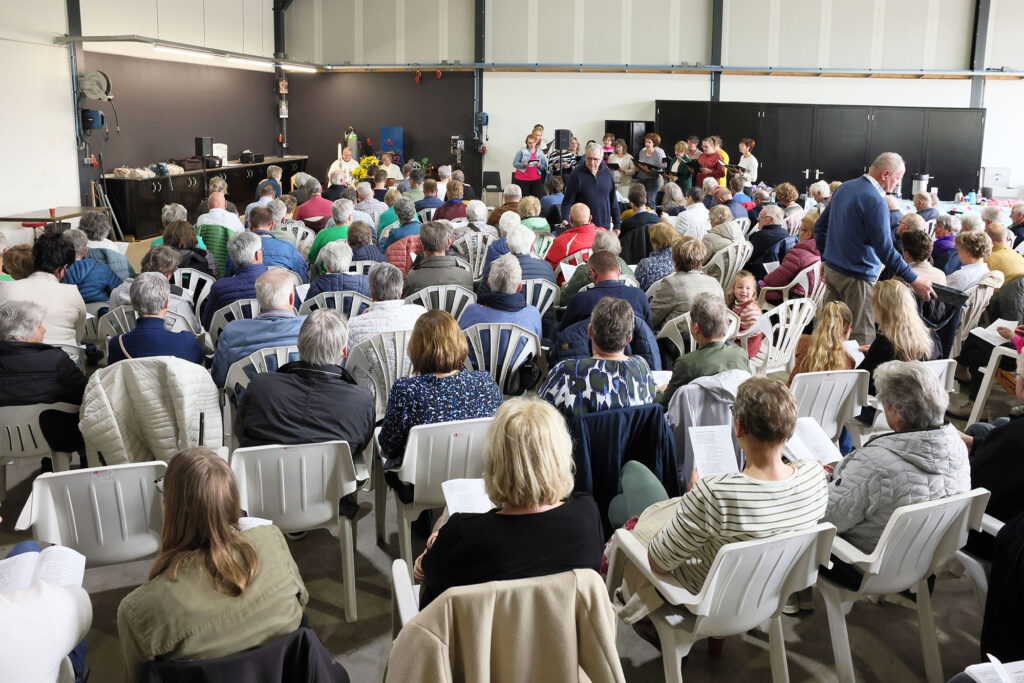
(154, 187)
(807, 173)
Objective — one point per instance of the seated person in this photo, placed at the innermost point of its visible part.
(972, 248)
(924, 208)
(642, 216)
(1003, 258)
(579, 236)
(218, 213)
(380, 184)
(430, 200)
(265, 195)
(341, 213)
(801, 255)
(604, 240)
(336, 258)
(246, 250)
(276, 325)
(609, 379)
(761, 199)
(434, 266)
(658, 263)
(275, 252)
(453, 206)
(476, 214)
(181, 236)
(519, 241)
(95, 281)
(407, 224)
(312, 399)
(367, 203)
(556, 193)
(273, 179)
(440, 391)
(767, 498)
(415, 189)
(769, 240)
(18, 262)
(923, 459)
(742, 300)
(214, 590)
(724, 198)
(96, 226)
(62, 305)
(822, 350)
(917, 252)
(387, 312)
(724, 232)
(947, 227)
(541, 526)
(468, 193)
(388, 217)
(503, 302)
(150, 295)
(709, 319)
(511, 196)
(316, 206)
(694, 222)
(529, 214)
(499, 247)
(163, 260)
(360, 240)
(902, 335)
(673, 296)
(32, 371)
(604, 272)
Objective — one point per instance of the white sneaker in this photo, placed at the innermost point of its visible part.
(963, 411)
(792, 605)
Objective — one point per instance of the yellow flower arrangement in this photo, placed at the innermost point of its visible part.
(359, 173)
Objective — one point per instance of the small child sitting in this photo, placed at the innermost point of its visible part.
(742, 299)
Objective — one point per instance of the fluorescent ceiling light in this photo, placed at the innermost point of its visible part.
(300, 69)
(188, 53)
(248, 62)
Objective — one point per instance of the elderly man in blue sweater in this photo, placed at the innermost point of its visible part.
(855, 241)
(502, 302)
(591, 183)
(276, 252)
(246, 250)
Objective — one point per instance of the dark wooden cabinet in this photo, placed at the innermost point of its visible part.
(137, 203)
(801, 143)
(633, 133)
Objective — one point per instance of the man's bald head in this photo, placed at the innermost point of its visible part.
(579, 214)
(996, 232)
(217, 200)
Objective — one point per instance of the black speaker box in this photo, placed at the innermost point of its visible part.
(204, 147)
(563, 138)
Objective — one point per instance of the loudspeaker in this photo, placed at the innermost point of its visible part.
(204, 147)
(563, 138)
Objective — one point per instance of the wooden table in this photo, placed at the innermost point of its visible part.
(61, 213)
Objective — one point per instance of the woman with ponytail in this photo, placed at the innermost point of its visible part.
(214, 589)
(822, 351)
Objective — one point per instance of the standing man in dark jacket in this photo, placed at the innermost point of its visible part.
(591, 183)
(312, 399)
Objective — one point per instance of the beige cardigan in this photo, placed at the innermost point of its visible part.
(65, 310)
(552, 628)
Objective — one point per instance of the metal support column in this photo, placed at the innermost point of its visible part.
(717, 12)
(280, 52)
(479, 27)
(982, 10)
(76, 62)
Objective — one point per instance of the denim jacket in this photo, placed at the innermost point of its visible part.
(523, 156)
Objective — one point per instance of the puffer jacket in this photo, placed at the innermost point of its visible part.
(718, 238)
(400, 253)
(148, 409)
(95, 281)
(337, 282)
(890, 471)
(114, 260)
(802, 254)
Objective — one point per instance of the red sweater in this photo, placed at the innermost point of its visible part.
(569, 242)
(316, 207)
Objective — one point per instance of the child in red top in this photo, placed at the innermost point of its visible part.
(742, 299)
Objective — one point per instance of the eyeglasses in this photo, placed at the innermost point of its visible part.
(159, 484)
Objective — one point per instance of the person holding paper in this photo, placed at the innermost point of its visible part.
(923, 459)
(650, 163)
(711, 163)
(622, 166)
(540, 527)
(916, 246)
(531, 165)
(768, 497)
(976, 352)
(214, 590)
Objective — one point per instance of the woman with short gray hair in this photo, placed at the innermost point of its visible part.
(947, 227)
(336, 257)
(96, 226)
(150, 295)
(923, 459)
(216, 184)
(171, 213)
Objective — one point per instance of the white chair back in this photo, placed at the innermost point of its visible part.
(803, 279)
(350, 304)
(743, 224)
(459, 222)
(195, 282)
(500, 349)
(730, 261)
(782, 327)
(541, 294)
(123, 319)
(371, 364)
(625, 278)
(944, 369)
(21, 437)
(301, 235)
(930, 227)
(267, 359)
(793, 221)
(236, 310)
(677, 331)
(361, 267)
(542, 243)
(109, 514)
(577, 258)
(474, 247)
(831, 398)
(295, 276)
(426, 215)
(977, 302)
(451, 298)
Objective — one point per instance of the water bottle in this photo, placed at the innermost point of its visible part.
(959, 197)
(972, 197)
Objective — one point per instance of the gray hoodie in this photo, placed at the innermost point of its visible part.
(890, 471)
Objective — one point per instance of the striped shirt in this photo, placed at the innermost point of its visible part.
(728, 508)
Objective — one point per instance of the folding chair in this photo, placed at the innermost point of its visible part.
(236, 310)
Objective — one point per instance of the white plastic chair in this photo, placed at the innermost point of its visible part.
(577, 258)
(350, 304)
(109, 514)
(803, 279)
(436, 453)
(831, 398)
(793, 221)
(977, 302)
(916, 538)
(123, 319)
(747, 585)
(451, 298)
(426, 215)
(465, 265)
(977, 568)
(730, 261)
(240, 373)
(459, 222)
(542, 243)
(195, 282)
(541, 294)
(299, 488)
(361, 267)
(21, 437)
(625, 278)
(93, 309)
(743, 224)
(236, 310)
(300, 236)
(782, 327)
(989, 380)
(295, 276)
(500, 349)
(474, 246)
(674, 330)
(930, 227)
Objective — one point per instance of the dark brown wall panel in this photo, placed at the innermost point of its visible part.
(164, 105)
(430, 112)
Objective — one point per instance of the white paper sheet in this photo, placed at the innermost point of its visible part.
(713, 451)
(989, 333)
(810, 442)
(58, 565)
(302, 291)
(661, 377)
(567, 270)
(997, 672)
(465, 495)
(246, 523)
(770, 266)
(852, 347)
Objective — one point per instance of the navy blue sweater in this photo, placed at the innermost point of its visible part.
(149, 338)
(597, 192)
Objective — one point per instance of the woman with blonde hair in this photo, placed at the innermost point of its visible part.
(540, 526)
(822, 350)
(902, 335)
(672, 202)
(529, 212)
(679, 169)
(214, 589)
(658, 263)
(622, 166)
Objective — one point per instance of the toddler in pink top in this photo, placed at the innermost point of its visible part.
(742, 299)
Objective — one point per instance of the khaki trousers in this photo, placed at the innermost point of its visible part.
(857, 295)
